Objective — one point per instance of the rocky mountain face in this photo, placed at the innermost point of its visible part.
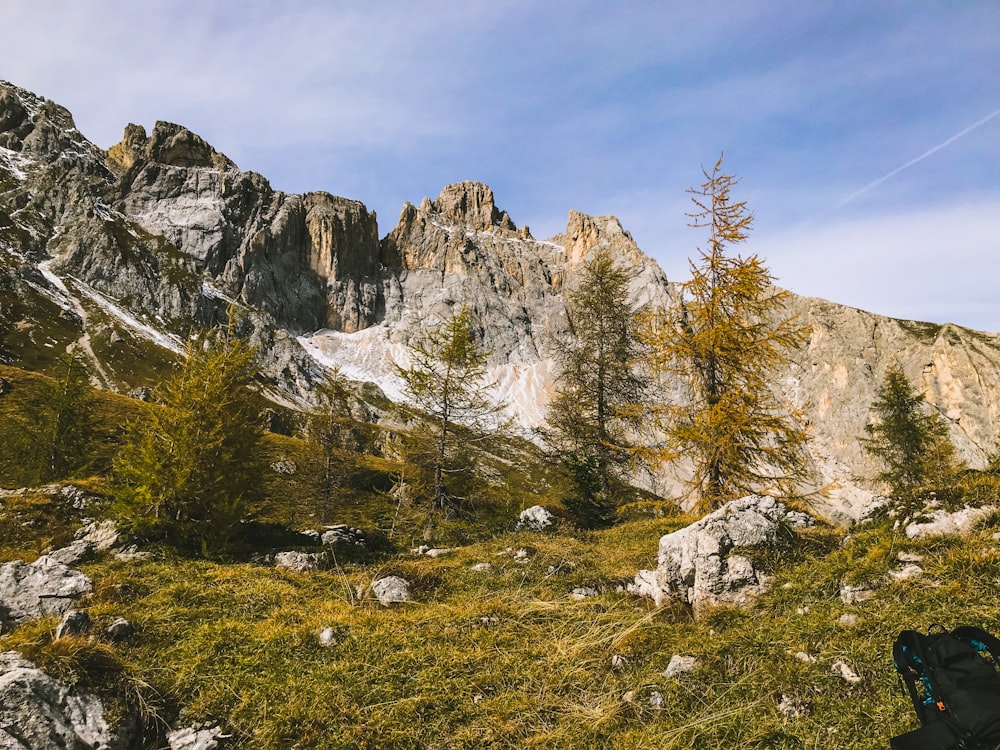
(120, 253)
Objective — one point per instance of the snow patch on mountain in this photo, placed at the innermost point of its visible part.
(370, 356)
(14, 163)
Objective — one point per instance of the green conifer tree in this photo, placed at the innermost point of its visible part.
(57, 427)
(909, 441)
(600, 389)
(189, 471)
(447, 380)
(331, 429)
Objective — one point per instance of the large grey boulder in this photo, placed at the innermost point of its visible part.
(700, 565)
(44, 587)
(38, 712)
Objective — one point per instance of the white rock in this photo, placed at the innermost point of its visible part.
(427, 551)
(793, 708)
(535, 518)
(193, 738)
(341, 533)
(804, 657)
(680, 665)
(300, 562)
(645, 584)
(45, 587)
(862, 592)
(583, 592)
(909, 557)
(44, 713)
(848, 620)
(618, 662)
(656, 700)
(73, 554)
(103, 535)
(695, 563)
(391, 590)
(907, 572)
(483, 567)
(941, 522)
(327, 637)
(845, 672)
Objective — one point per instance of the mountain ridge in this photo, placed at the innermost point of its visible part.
(168, 230)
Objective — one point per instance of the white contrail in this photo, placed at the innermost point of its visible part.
(920, 158)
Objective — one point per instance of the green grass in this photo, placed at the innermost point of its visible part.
(507, 659)
(498, 659)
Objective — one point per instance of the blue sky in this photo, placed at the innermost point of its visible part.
(866, 135)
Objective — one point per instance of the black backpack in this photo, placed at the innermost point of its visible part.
(953, 682)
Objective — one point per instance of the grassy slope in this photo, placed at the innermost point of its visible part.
(508, 659)
(502, 659)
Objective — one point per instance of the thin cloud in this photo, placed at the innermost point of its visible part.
(929, 152)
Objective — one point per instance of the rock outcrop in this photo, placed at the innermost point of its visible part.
(36, 711)
(163, 231)
(705, 564)
(39, 589)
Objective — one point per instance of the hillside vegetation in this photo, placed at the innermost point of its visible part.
(503, 657)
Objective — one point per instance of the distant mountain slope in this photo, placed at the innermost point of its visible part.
(122, 253)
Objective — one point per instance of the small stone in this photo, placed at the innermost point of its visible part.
(679, 665)
(535, 518)
(793, 708)
(656, 700)
(802, 611)
(327, 637)
(73, 554)
(439, 551)
(583, 592)
(804, 657)
(483, 567)
(300, 562)
(629, 696)
(194, 738)
(286, 467)
(521, 556)
(856, 594)
(119, 630)
(907, 572)
(909, 557)
(341, 533)
(961, 522)
(845, 672)
(391, 590)
(848, 620)
(618, 662)
(74, 622)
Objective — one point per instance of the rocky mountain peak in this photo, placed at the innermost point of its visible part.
(471, 204)
(584, 234)
(170, 144)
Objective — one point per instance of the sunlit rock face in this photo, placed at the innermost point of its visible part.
(163, 233)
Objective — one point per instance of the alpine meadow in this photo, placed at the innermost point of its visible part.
(270, 479)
